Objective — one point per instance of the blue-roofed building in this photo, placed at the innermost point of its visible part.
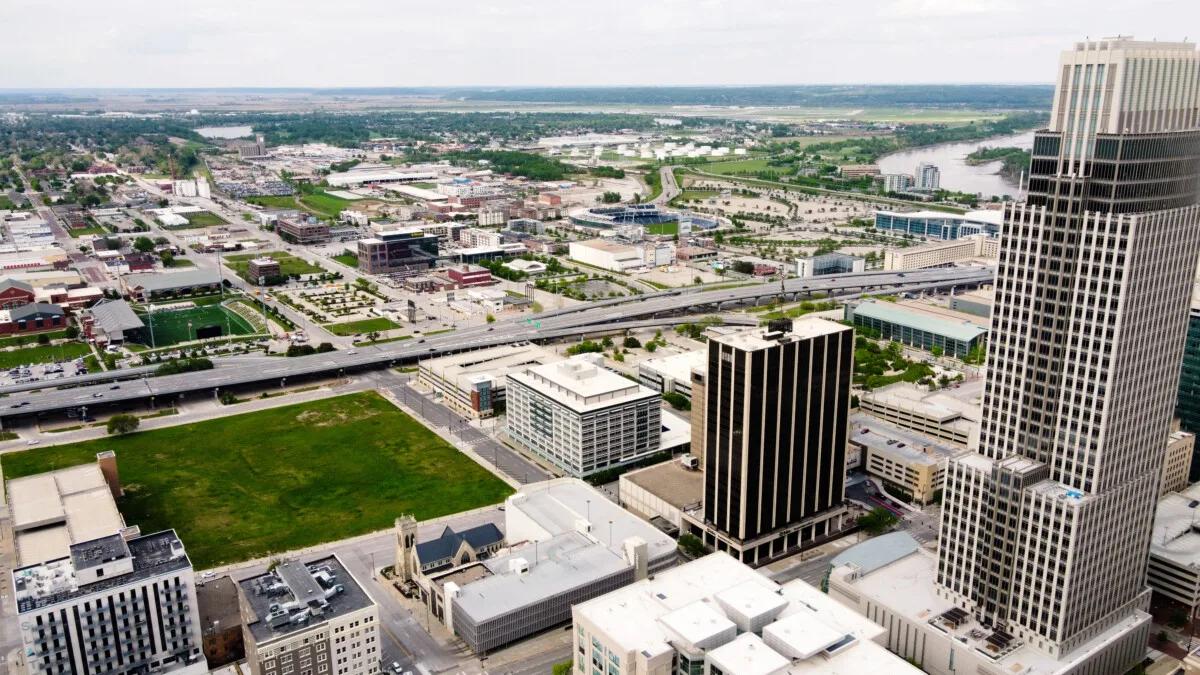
(920, 329)
(939, 224)
(458, 548)
(876, 552)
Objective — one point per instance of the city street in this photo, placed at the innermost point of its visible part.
(436, 415)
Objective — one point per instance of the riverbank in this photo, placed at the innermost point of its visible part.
(957, 173)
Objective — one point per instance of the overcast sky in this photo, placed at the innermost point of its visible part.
(356, 43)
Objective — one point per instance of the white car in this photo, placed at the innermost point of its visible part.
(32, 441)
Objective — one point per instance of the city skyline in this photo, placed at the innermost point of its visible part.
(374, 44)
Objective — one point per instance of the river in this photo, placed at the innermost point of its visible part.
(951, 158)
(225, 132)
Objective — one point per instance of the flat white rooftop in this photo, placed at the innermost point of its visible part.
(683, 606)
(907, 586)
(963, 401)
(804, 328)
(1174, 538)
(678, 367)
(581, 385)
(51, 511)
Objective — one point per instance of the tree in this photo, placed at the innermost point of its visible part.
(43, 339)
(71, 332)
(324, 347)
(651, 346)
(122, 424)
(677, 400)
(631, 343)
(607, 342)
(936, 350)
(878, 521)
(168, 259)
(491, 319)
(691, 545)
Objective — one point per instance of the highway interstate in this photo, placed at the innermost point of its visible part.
(632, 312)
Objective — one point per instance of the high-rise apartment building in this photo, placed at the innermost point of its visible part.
(1045, 529)
(928, 177)
(775, 421)
(92, 595)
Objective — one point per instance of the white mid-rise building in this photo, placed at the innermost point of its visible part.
(582, 417)
(717, 616)
(92, 595)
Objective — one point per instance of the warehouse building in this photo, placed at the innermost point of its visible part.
(716, 615)
(606, 254)
(915, 327)
(977, 302)
(582, 417)
(147, 287)
(111, 322)
(475, 382)
(567, 543)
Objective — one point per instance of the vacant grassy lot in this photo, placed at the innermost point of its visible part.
(274, 201)
(347, 259)
(735, 167)
(176, 326)
(363, 326)
(77, 232)
(288, 264)
(324, 204)
(42, 354)
(276, 480)
(204, 219)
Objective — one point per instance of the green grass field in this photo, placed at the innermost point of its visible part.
(78, 232)
(736, 167)
(363, 326)
(663, 228)
(171, 327)
(324, 204)
(22, 340)
(42, 354)
(245, 486)
(347, 259)
(274, 201)
(6, 203)
(288, 263)
(204, 219)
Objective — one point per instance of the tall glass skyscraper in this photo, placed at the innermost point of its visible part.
(1046, 526)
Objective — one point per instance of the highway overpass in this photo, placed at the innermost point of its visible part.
(617, 314)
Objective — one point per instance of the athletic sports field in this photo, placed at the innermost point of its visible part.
(171, 327)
